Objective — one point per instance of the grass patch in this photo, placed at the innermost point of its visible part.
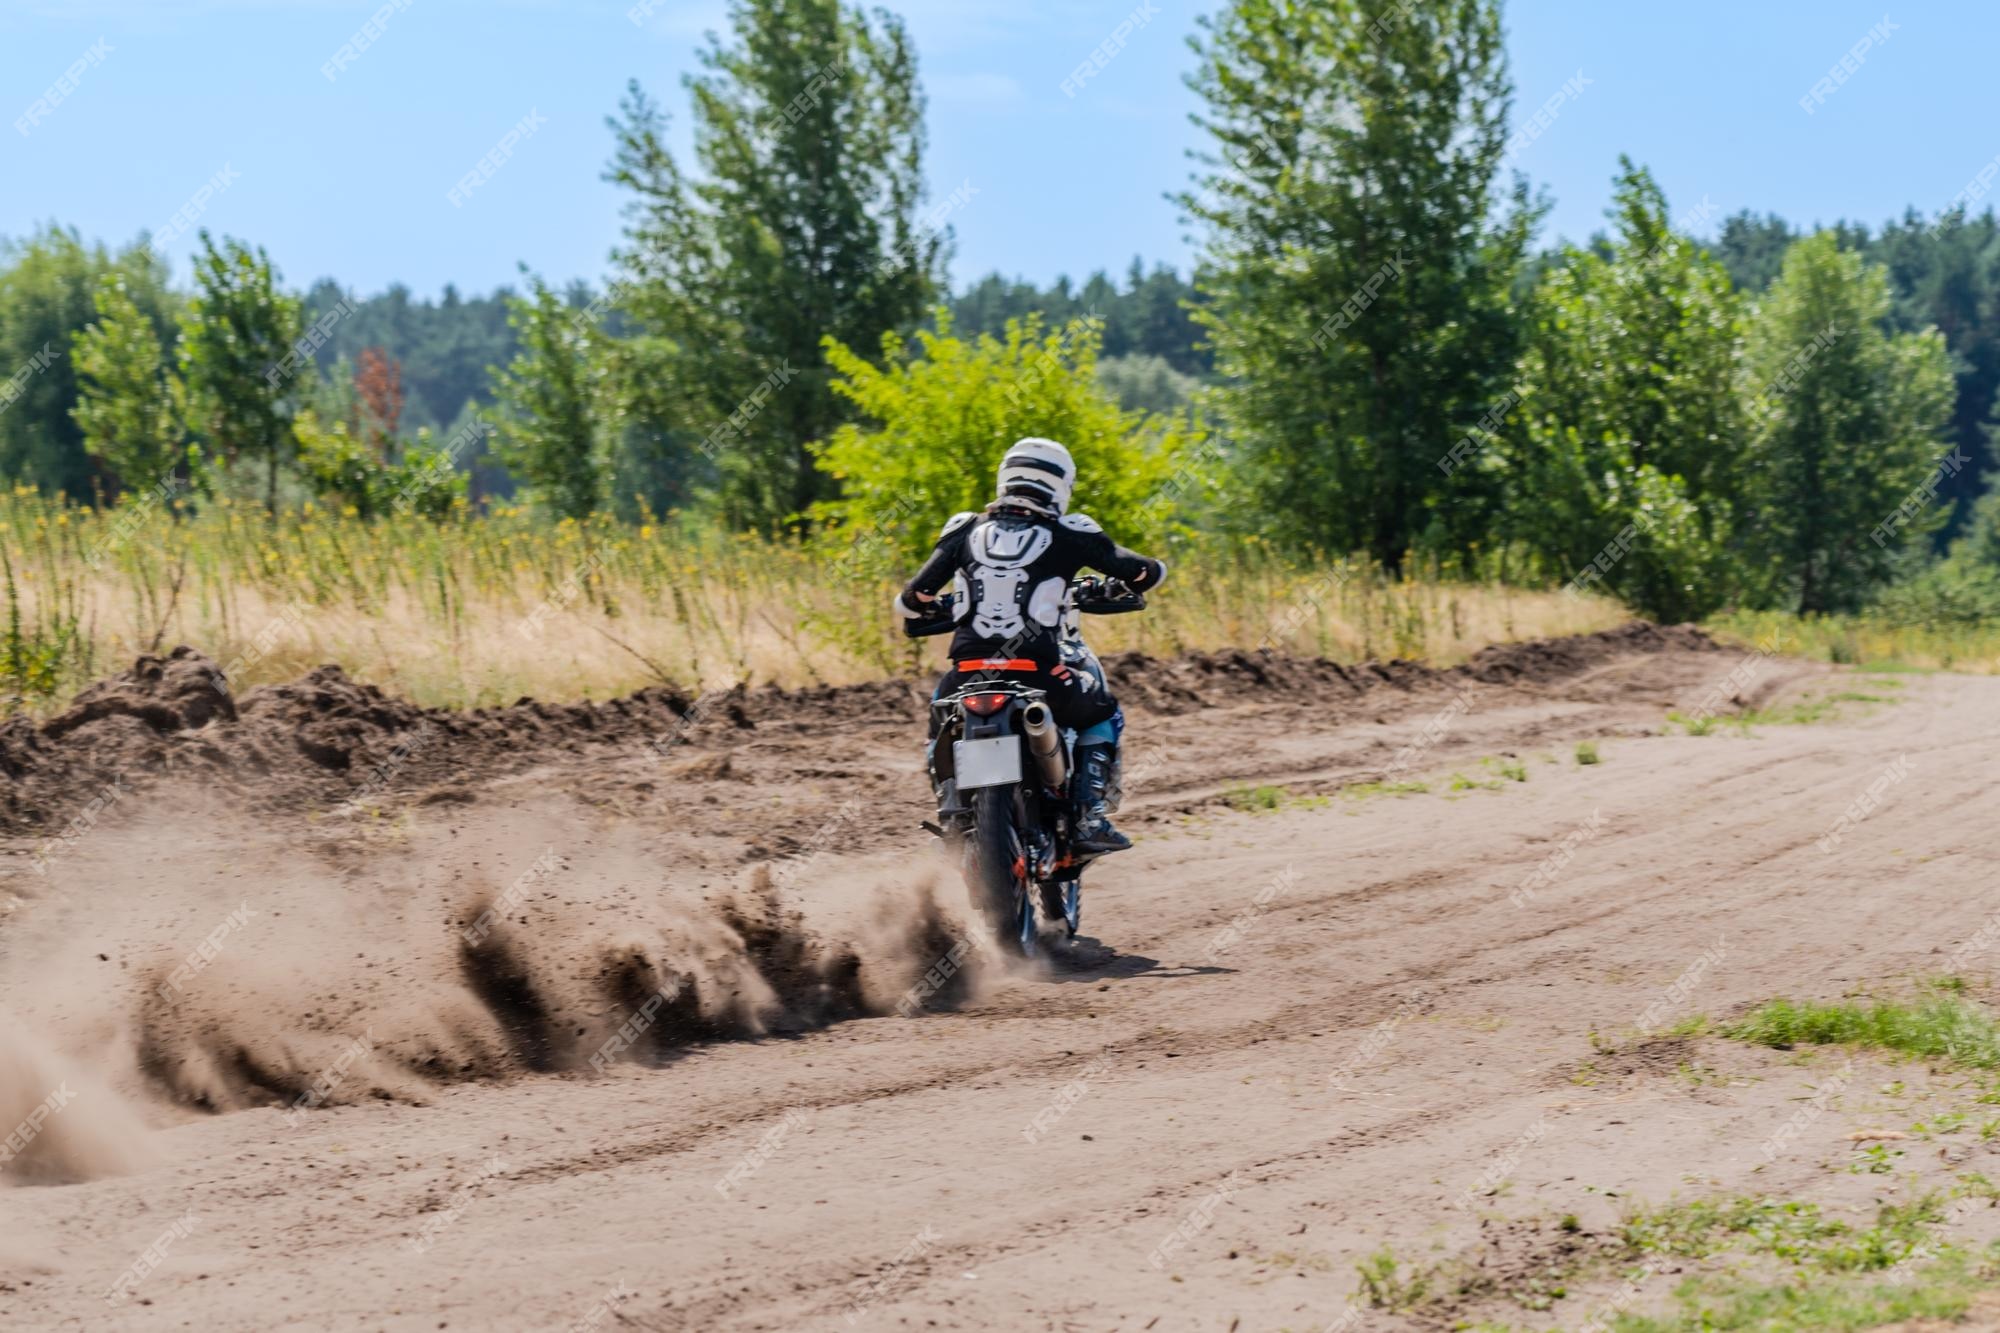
(1511, 769)
(1460, 782)
(1760, 1262)
(1837, 1274)
(1838, 1280)
(1819, 708)
(1896, 669)
(1946, 1026)
(1797, 1233)
(1697, 724)
(1586, 753)
(1362, 790)
(1942, 1290)
(1385, 1286)
(1801, 714)
(1265, 799)
(1255, 798)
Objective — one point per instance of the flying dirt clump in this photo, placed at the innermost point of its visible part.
(506, 944)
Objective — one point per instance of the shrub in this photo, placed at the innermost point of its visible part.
(941, 421)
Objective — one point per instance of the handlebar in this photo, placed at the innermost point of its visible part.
(1106, 597)
(937, 619)
(1093, 596)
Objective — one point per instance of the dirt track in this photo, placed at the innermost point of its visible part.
(1296, 1035)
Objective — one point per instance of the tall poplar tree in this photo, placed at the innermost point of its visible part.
(803, 222)
(1359, 258)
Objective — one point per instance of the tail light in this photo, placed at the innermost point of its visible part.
(984, 705)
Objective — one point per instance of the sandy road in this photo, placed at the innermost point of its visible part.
(1305, 1034)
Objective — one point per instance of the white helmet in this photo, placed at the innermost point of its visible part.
(1039, 471)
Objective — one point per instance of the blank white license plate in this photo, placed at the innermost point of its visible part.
(986, 763)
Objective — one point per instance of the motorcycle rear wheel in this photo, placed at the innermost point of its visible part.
(997, 868)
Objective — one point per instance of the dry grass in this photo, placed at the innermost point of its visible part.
(486, 610)
(1868, 641)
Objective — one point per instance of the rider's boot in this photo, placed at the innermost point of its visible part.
(950, 805)
(1096, 768)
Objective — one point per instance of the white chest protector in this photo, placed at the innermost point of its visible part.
(998, 600)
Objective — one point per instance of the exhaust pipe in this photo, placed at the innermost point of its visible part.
(1044, 742)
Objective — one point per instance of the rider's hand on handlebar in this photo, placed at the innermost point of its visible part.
(933, 616)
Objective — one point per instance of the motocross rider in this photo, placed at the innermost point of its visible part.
(1014, 563)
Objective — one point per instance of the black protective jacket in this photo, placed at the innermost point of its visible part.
(1014, 566)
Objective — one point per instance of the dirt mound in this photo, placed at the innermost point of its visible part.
(1221, 678)
(1539, 660)
(320, 740)
(325, 739)
(177, 692)
(233, 977)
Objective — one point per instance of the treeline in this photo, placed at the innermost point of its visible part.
(444, 350)
(1384, 366)
(446, 347)
(1943, 273)
(443, 347)
(1151, 314)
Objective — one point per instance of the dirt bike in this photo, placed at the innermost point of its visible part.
(1008, 815)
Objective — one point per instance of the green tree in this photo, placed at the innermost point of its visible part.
(940, 415)
(1945, 274)
(443, 347)
(1849, 428)
(1961, 589)
(1753, 248)
(1146, 383)
(1358, 258)
(48, 290)
(1152, 316)
(129, 398)
(345, 470)
(1623, 463)
(804, 221)
(551, 434)
(241, 357)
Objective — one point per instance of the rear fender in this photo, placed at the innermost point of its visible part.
(1002, 723)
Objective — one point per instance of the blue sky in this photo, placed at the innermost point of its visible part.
(350, 176)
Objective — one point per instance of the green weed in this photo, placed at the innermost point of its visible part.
(1365, 789)
(1386, 1287)
(1795, 1232)
(1699, 724)
(1264, 799)
(1945, 1027)
(1942, 1290)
